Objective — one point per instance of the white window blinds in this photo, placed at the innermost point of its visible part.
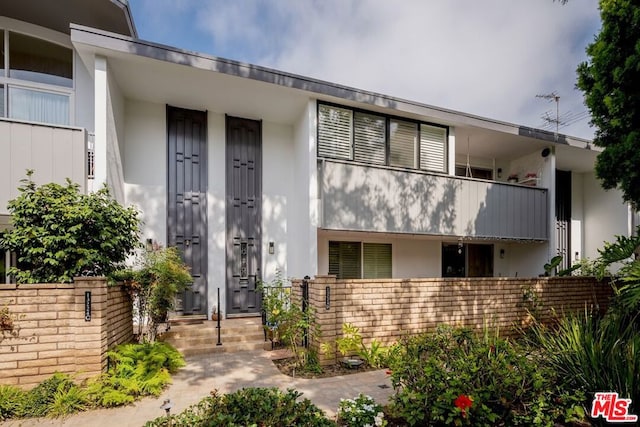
(433, 148)
(402, 143)
(334, 132)
(370, 138)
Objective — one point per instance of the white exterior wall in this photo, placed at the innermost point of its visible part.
(145, 171)
(304, 210)
(84, 95)
(278, 198)
(216, 202)
(115, 138)
(525, 259)
(605, 215)
(411, 257)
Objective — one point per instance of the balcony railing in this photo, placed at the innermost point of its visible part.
(365, 198)
(54, 153)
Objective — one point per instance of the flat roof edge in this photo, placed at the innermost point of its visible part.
(133, 45)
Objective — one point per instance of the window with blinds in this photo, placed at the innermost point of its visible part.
(377, 139)
(433, 148)
(376, 260)
(402, 143)
(355, 260)
(344, 260)
(370, 134)
(334, 132)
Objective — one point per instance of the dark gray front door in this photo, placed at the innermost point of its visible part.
(187, 200)
(244, 197)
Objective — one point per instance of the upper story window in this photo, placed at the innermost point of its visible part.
(36, 77)
(363, 136)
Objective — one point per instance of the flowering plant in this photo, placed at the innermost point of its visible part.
(463, 402)
(362, 411)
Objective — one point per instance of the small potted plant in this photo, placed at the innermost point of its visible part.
(513, 178)
(214, 313)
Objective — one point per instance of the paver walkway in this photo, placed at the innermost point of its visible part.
(227, 372)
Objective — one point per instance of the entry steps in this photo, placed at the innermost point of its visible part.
(193, 335)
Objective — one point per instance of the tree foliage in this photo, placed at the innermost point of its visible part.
(59, 233)
(609, 81)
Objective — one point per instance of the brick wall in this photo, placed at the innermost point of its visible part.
(389, 309)
(53, 334)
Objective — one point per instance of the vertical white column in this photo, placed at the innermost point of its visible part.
(314, 196)
(100, 111)
(451, 151)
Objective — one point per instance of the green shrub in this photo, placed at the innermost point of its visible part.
(361, 411)
(59, 233)
(593, 354)
(266, 407)
(455, 377)
(38, 401)
(10, 401)
(351, 343)
(154, 285)
(135, 370)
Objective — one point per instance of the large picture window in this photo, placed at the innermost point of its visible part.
(367, 137)
(357, 260)
(36, 78)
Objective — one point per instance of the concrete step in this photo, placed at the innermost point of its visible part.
(239, 334)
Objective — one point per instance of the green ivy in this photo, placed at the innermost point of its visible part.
(60, 233)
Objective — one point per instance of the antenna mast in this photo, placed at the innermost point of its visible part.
(555, 97)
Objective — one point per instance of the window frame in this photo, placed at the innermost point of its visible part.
(388, 118)
(363, 270)
(8, 82)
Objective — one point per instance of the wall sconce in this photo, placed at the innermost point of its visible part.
(149, 245)
(501, 253)
(499, 172)
(577, 258)
(460, 246)
(272, 248)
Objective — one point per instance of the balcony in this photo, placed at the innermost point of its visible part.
(357, 197)
(53, 152)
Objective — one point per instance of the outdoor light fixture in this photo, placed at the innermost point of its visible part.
(499, 172)
(149, 245)
(501, 253)
(272, 248)
(460, 246)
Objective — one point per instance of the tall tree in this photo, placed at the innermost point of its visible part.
(610, 80)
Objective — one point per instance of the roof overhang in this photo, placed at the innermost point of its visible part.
(167, 75)
(110, 15)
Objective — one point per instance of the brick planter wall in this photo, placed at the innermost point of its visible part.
(53, 334)
(389, 309)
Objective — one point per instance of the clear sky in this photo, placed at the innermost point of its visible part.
(490, 58)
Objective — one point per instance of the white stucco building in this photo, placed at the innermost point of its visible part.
(250, 170)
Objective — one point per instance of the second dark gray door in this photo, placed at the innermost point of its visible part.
(244, 205)
(187, 201)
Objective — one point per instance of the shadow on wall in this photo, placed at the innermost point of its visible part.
(372, 199)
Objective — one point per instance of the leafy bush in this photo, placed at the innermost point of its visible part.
(10, 401)
(593, 354)
(135, 370)
(351, 343)
(154, 285)
(455, 377)
(266, 407)
(287, 323)
(48, 398)
(361, 411)
(59, 233)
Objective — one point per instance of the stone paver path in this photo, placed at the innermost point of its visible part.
(227, 372)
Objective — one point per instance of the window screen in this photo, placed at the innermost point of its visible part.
(334, 132)
(402, 143)
(377, 260)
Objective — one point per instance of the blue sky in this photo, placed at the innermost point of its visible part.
(489, 58)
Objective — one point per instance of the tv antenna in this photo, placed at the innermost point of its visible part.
(553, 96)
